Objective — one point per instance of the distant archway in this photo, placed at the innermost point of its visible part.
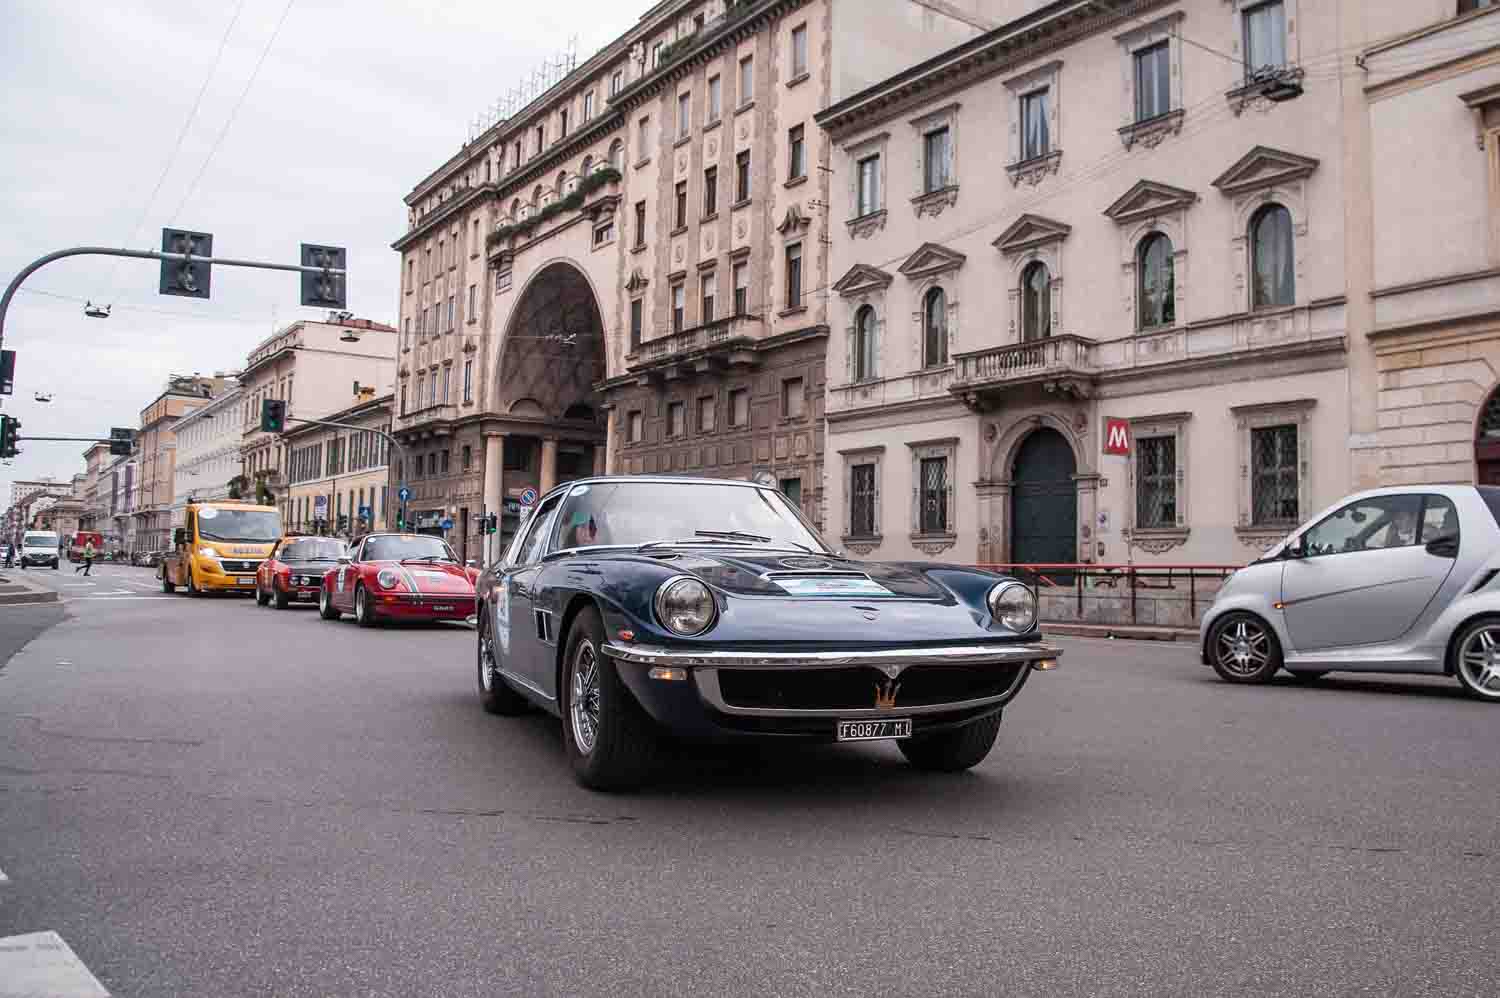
(1487, 442)
(553, 351)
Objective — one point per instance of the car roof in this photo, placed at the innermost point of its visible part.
(660, 479)
(1450, 491)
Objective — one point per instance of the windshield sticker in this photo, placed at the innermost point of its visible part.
(581, 490)
(207, 514)
(832, 587)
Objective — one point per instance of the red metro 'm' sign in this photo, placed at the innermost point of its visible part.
(1117, 437)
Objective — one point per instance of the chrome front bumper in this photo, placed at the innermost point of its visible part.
(703, 666)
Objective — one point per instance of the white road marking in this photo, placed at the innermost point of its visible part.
(3, 877)
(73, 585)
(40, 963)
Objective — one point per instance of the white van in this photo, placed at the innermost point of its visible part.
(39, 547)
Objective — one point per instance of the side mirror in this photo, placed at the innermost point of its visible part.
(344, 559)
(1445, 546)
(1295, 549)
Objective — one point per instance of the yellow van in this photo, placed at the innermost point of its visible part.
(220, 547)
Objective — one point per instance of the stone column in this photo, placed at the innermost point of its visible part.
(1088, 513)
(549, 464)
(494, 486)
(993, 517)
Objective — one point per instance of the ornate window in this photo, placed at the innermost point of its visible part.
(1265, 37)
(1156, 483)
(933, 500)
(937, 160)
(935, 328)
(1036, 135)
(1153, 81)
(867, 196)
(1273, 476)
(862, 490)
(1272, 265)
(1036, 303)
(864, 343)
(1156, 285)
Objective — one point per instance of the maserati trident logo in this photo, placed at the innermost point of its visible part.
(885, 695)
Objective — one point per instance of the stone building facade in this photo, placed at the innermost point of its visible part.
(630, 273)
(208, 451)
(338, 479)
(156, 445)
(1150, 217)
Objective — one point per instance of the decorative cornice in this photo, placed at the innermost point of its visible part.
(1147, 198)
(930, 259)
(1034, 171)
(1152, 132)
(1263, 167)
(935, 202)
(794, 221)
(1028, 232)
(861, 278)
(866, 226)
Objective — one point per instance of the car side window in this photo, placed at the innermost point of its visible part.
(1439, 519)
(537, 533)
(1371, 524)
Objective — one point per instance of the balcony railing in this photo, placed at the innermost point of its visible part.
(1055, 355)
(705, 339)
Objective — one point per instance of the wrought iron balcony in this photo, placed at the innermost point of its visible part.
(1059, 363)
(722, 342)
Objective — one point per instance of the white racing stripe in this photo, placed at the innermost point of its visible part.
(40, 963)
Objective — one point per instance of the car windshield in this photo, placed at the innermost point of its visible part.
(407, 547)
(254, 525)
(39, 540)
(315, 549)
(643, 512)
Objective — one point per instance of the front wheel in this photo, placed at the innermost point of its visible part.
(364, 610)
(953, 751)
(279, 598)
(261, 599)
(608, 738)
(166, 583)
(326, 609)
(495, 693)
(1476, 659)
(1242, 649)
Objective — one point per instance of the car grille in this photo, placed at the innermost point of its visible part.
(240, 567)
(854, 687)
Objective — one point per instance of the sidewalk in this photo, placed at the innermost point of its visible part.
(15, 587)
(1134, 632)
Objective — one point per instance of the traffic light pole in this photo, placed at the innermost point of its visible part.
(185, 258)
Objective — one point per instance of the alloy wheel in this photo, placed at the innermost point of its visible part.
(1479, 660)
(583, 699)
(1244, 648)
(486, 664)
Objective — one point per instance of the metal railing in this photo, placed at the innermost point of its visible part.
(1056, 579)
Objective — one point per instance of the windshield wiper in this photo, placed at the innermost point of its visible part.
(732, 535)
(429, 557)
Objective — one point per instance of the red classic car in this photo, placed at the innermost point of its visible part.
(293, 571)
(398, 577)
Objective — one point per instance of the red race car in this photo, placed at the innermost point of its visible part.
(293, 572)
(398, 577)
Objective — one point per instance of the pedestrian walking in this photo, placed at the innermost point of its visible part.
(88, 558)
(10, 555)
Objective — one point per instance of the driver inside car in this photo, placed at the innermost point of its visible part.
(584, 529)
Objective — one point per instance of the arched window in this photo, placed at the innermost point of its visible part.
(1036, 302)
(617, 154)
(562, 180)
(515, 210)
(588, 166)
(536, 196)
(1155, 285)
(935, 328)
(864, 343)
(1273, 280)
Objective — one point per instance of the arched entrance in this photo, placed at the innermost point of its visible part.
(1044, 500)
(1487, 442)
(553, 351)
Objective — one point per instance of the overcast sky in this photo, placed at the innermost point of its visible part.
(354, 104)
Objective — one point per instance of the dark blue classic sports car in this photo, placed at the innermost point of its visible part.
(633, 607)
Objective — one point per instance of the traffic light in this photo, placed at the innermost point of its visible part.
(343, 521)
(400, 519)
(323, 290)
(7, 371)
(186, 278)
(10, 428)
(272, 415)
(491, 523)
(121, 439)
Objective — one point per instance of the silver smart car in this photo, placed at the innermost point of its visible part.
(1390, 580)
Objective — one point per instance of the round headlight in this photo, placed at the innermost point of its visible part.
(685, 606)
(207, 553)
(1014, 606)
(387, 578)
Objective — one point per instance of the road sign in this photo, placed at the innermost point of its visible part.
(7, 371)
(364, 512)
(320, 507)
(528, 497)
(446, 524)
(1117, 437)
(404, 494)
(187, 278)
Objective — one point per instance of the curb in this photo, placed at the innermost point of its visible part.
(1130, 631)
(15, 589)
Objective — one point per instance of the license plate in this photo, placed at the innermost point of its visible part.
(307, 595)
(871, 731)
(445, 606)
(247, 580)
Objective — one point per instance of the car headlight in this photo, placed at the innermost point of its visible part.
(685, 606)
(387, 578)
(208, 553)
(1013, 605)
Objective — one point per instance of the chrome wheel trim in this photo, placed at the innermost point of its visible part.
(359, 605)
(324, 600)
(1243, 648)
(486, 664)
(1479, 661)
(583, 697)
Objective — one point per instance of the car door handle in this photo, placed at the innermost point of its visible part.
(1444, 547)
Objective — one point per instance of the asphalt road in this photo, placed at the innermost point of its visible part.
(203, 797)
